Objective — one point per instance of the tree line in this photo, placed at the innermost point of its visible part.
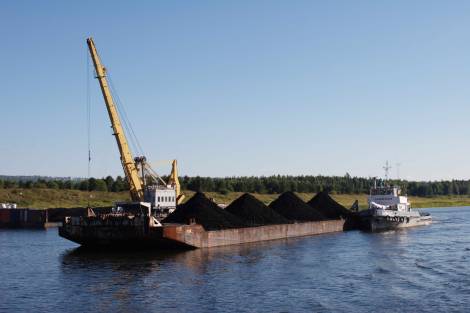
(91, 184)
(268, 185)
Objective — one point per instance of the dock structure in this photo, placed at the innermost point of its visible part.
(23, 218)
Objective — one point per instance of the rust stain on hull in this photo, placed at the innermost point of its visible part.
(196, 236)
(192, 236)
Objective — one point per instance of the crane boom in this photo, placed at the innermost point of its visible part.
(128, 163)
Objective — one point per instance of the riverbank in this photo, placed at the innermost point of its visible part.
(60, 198)
(43, 198)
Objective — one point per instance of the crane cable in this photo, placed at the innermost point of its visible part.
(129, 130)
(136, 147)
(125, 119)
(88, 113)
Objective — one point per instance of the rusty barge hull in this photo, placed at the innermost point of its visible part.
(191, 236)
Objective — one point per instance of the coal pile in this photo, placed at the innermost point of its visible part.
(204, 212)
(323, 203)
(254, 212)
(293, 208)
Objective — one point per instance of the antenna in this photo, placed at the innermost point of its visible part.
(387, 168)
(398, 170)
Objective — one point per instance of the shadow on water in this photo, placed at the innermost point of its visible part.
(94, 258)
(195, 260)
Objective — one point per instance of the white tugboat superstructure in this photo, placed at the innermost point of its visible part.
(388, 210)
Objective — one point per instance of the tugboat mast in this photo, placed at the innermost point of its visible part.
(387, 169)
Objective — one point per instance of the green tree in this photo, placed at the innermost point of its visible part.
(118, 184)
(100, 185)
(109, 182)
(92, 183)
(68, 184)
(83, 185)
(77, 184)
(39, 184)
(52, 185)
(10, 184)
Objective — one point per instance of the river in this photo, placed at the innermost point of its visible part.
(425, 269)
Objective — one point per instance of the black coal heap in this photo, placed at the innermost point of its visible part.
(323, 203)
(292, 207)
(205, 212)
(254, 212)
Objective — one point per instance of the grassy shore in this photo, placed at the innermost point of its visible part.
(53, 198)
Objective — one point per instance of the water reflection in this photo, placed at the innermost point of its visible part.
(343, 272)
(145, 261)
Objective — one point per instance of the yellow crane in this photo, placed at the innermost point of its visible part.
(174, 181)
(130, 165)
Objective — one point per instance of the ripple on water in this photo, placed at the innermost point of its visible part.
(421, 270)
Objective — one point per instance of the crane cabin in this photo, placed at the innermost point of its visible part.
(162, 198)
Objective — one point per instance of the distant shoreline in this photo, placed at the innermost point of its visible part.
(43, 198)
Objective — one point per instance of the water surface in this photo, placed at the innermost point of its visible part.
(425, 269)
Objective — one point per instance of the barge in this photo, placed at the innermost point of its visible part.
(139, 231)
(142, 222)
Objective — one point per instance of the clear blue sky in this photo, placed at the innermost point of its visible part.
(241, 87)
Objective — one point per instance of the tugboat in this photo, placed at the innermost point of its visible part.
(389, 210)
